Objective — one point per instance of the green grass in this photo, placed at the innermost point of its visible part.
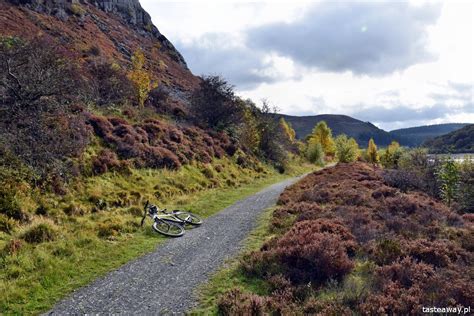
(90, 241)
(230, 276)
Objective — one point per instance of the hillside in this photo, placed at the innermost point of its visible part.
(340, 124)
(459, 141)
(415, 136)
(100, 30)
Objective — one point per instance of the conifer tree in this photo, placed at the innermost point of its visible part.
(322, 134)
(372, 154)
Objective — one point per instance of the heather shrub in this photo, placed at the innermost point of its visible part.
(402, 179)
(386, 251)
(312, 251)
(105, 161)
(110, 84)
(439, 253)
(41, 122)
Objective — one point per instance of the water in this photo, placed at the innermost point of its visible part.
(455, 157)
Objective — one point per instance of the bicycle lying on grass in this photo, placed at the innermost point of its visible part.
(169, 223)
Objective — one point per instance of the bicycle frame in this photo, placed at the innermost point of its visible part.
(153, 211)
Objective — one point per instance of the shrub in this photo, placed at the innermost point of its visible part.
(402, 179)
(38, 233)
(465, 195)
(40, 123)
(312, 251)
(386, 251)
(448, 175)
(214, 103)
(6, 224)
(10, 207)
(392, 155)
(110, 84)
(315, 153)
(77, 9)
(347, 149)
(74, 210)
(105, 161)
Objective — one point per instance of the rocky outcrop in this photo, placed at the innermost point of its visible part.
(130, 11)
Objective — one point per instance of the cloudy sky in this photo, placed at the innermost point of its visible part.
(396, 64)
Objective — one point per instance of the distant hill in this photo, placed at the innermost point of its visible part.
(459, 141)
(340, 124)
(415, 136)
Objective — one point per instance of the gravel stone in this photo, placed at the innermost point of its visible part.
(165, 281)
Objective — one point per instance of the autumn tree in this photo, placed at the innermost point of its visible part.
(248, 132)
(391, 156)
(372, 154)
(140, 78)
(288, 131)
(323, 134)
(347, 149)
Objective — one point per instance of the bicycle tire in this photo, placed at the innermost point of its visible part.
(169, 229)
(188, 217)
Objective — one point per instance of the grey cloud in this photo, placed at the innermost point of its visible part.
(213, 54)
(460, 92)
(365, 38)
(406, 113)
(461, 87)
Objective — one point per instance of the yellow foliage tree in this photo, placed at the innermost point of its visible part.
(288, 131)
(249, 134)
(323, 134)
(391, 155)
(372, 154)
(140, 78)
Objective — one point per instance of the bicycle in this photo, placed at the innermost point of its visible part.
(169, 223)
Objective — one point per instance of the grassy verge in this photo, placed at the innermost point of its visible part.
(95, 228)
(230, 276)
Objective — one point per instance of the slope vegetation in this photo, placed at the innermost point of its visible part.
(459, 141)
(415, 136)
(340, 124)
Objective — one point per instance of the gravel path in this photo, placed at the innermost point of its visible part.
(163, 282)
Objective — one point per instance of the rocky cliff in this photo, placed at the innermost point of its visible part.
(115, 28)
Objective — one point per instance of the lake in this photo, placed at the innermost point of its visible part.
(455, 157)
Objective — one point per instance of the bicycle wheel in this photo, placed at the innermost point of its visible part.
(168, 228)
(188, 218)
